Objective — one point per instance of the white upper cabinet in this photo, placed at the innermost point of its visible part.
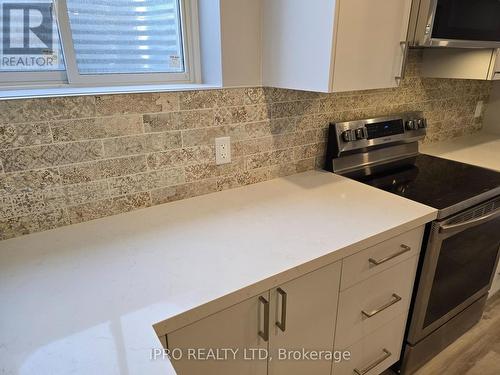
(331, 46)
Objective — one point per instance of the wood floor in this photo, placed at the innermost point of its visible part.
(475, 353)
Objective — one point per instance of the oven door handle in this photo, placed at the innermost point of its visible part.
(468, 224)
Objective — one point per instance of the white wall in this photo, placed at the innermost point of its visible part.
(491, 122)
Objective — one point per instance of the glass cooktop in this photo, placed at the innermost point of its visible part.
(437, 182)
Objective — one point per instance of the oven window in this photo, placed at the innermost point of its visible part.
(467, 20)
(465, 265)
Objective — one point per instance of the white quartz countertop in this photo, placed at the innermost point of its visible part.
(481, 149)
(82, 299)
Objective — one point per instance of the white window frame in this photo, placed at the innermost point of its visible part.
(71, 77)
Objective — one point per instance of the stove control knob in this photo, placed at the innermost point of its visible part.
(411, 125)
(349, 135)
(361, 133)
(421, 123)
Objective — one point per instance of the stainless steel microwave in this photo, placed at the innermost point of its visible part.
(455, 23)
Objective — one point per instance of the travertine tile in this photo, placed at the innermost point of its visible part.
(240, 114)
(58, 197)
(127, 103)
(283, 125)
(75, 130)
(243, 178)
(196, 119)
(309, 151)
(269, 158)
(169, 101)
(229, 97)
(160, 122)
(79, 158)
(207, 170)
(305, 165)
(101, 169)
(311, 136)
(52, 155)
(31, 203)
(146, 181)
(275, 95)
(254, 95)
(107, 207)
(79, 193)
(240, 132)
(185, 156)
(140, 144)
(121, 125)
(19, 135)
(6, 209)
(172, 193)
(297, 108)
(197, 99)
(29, 181)
(32, 110)
(253, 146)
(205, 136)
(16, 226)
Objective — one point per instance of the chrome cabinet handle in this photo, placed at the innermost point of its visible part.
(282, 323)
(386, 355)
(404, 249)
(395, 299)
(265, 333)
(402, 72)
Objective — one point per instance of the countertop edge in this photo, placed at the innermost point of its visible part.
(188, 317)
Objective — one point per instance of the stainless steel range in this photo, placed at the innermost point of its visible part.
(460, 249)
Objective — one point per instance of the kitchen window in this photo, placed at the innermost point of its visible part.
(87, 43)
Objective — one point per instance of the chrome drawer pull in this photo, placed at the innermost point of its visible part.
(386, 355)
(376, 262)
(282, 323)
(395, 299)
(265, 334)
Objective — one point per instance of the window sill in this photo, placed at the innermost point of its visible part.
(65, 90)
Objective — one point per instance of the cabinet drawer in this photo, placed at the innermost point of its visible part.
(380, 257)
(376, 352)
(374, 302)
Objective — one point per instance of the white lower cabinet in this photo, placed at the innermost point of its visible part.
(299, 314)
(374, 302)
(311, 307)
(293, 329)
(376, 352)
(236, 327)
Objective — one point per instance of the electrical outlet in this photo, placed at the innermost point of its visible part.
(479, 109)
(222, 150)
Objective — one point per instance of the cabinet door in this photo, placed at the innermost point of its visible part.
(368, 50)
(311, 309)
(235, 328)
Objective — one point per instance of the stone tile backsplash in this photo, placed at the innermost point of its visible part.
(73, 159)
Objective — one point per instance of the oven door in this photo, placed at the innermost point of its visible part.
(458, 23)
(458, 267)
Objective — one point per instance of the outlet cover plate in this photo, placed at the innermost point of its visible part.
(222, 150)
(479, 109)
